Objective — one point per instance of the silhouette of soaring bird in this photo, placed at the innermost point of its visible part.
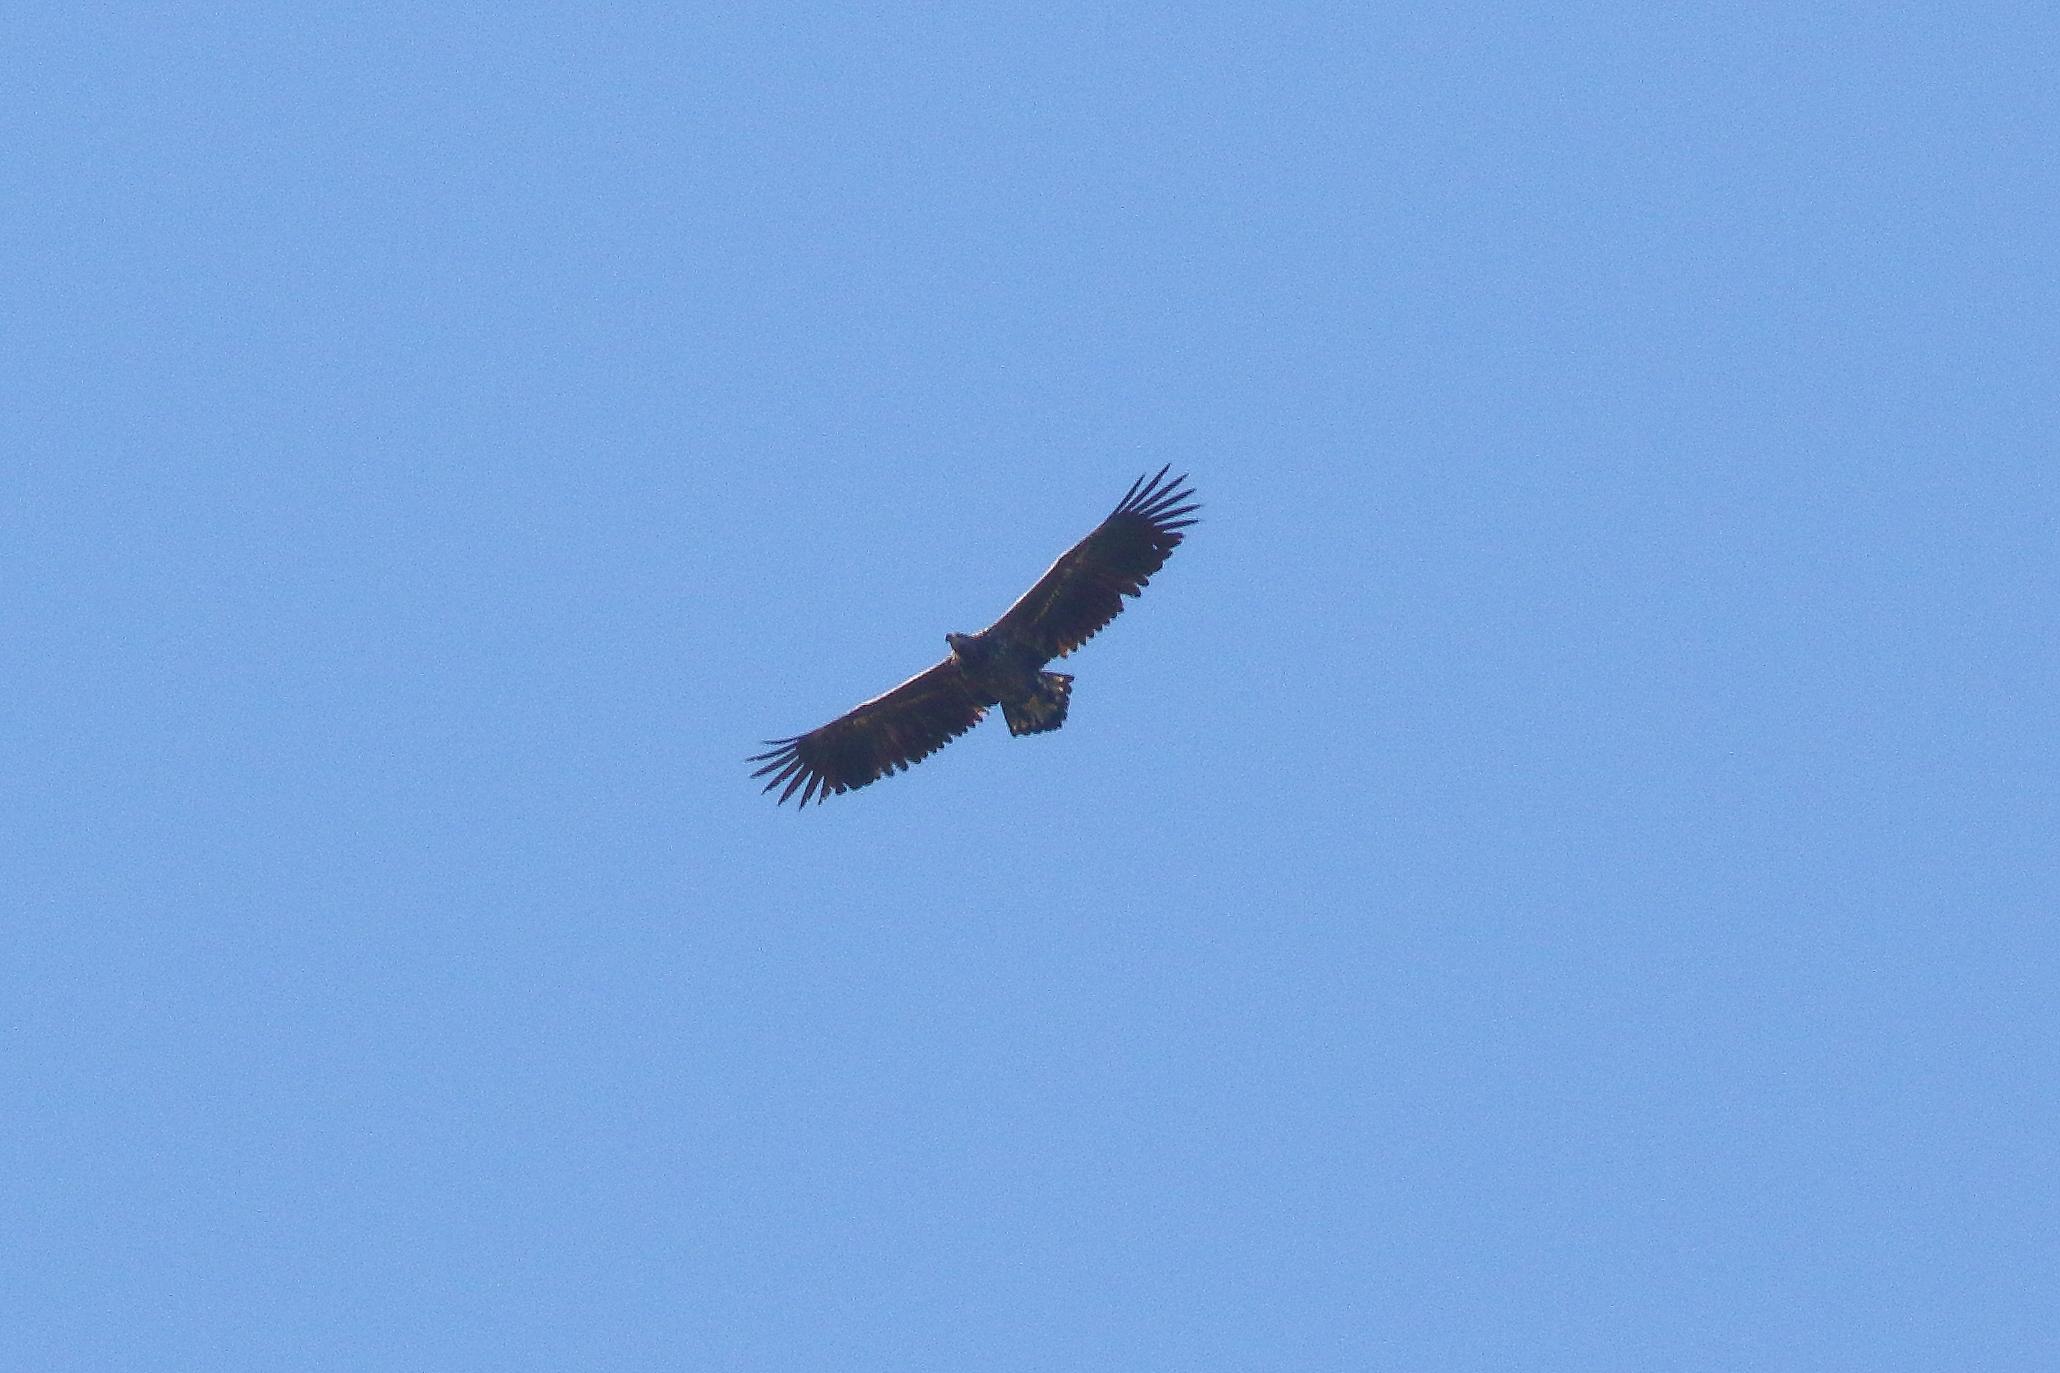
(1001, 665)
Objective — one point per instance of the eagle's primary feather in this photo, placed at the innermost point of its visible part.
(1002, 665)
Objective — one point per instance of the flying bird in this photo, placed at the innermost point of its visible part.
(1002, 665)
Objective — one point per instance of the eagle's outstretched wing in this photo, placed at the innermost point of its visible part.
(884, 735)
(1084, 589)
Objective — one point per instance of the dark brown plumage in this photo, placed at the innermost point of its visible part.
(1002, 665)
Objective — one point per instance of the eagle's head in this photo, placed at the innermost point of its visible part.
(963, 646)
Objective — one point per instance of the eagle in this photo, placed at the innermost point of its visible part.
(1002, 665)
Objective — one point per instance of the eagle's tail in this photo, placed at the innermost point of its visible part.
(1046, 710)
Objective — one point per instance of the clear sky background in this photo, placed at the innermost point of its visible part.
(1557, 873)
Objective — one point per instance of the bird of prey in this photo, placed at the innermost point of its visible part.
(1001, 665)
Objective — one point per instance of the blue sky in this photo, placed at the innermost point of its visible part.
(1557, 873)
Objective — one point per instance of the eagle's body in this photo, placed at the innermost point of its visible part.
(1011, 672)
(1002, 665)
